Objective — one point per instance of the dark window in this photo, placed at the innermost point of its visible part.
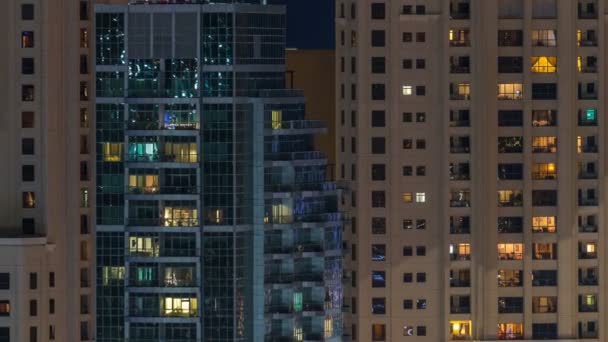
(420, 90)
(27, 93)
(378, 38)
(513, 171)
(353, 65)
(27, 119)
(27, 66)
(84, 64)
(421, 225)
(510, 118)
(408, 251)
(378, 11)
(378, 91)
(420, 250)
(353, 11)
(544, 198)
(544, 91)
(378, 172)
(378, 279)
(510, 37)
(378, 118)
(420, 63)
(84, 10)
(420, 37)
(420, 9)
(27, 12)
(378, 225)
(407, 9)
(378, 145)
(407, 37)
(407, 170)
(421, 330)
(353, 91)
(421, 304)
(421, 277)
(33, 281)
(420, 144)
(5, 281)
(84, 224)
(408, 304)
(28, 226)
(378, 199)
(510, 304)
(420, 170)
(544, 331)
(378, 65)
(509, 65)
(378, 306)
(408, 278)
(27, 39)
(420, 117)
(406, 117)
(33, 334)
(33, 308)
(544, 278)
(51, 279)
(407, 64)
(27, 173)
(27, 146)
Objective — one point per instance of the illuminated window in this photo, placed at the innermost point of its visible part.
(27, 39)
(181, 152)
(217, 216)
(510, 198)
(407, 90)
(544, 171)
(175, 216)
(84, 198)
(29, 199)
(543, 224)
(510, 251)
(408, 197)
(546, 144)
(459, 37)
(544, 37)
(298, 334)
(112, 152)
(544, 304)
(84, 38)
(460, 251)
(544, 251)
(5, 308)
(179, 306)
(420, 197)
(510, 331)
(510, 91)
(460, 330)
(147, 184)
(297, 301)
(510, 278)
(378, 332)
(544, 64)
(144, 246)
(460, 91)
(277, 119)
(329, 327)
(110, 274)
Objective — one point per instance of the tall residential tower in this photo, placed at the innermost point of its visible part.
(45, 233)
(471, 133)
(216, 220)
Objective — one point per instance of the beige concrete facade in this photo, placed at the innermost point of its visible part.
(46, 240)
(551, 201)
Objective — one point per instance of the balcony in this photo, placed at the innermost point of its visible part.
(460, 309)
(154, 125)
(460, 228)
(278, 278)
(585, 201)
(587, 228)
(588, 148)
(304, 276)
(162, 190)
(587, 280)
(163, 158)
(295, 125)
(163, 222)
(278, 309)
(460, 257)
(587, 9)
(292, 156)
(584, 307)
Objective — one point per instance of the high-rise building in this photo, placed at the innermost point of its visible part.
(215, 218)
(45, 237)
(471, 133)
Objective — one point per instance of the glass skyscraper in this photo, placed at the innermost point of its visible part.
(216, 219)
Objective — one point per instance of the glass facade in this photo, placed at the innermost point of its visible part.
(216, 218)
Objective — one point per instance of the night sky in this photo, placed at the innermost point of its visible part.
(310, 23)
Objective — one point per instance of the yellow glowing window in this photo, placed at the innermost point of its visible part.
(509, 331)
(112, 152)
(461, 249)
(298, 334)
(173, 306)
(277, 119)
(579, 63)
(589, 299)
(180, 217)
(543, 224)
(112, 273)
(460, 330)
(579, 37)
(510, 251)
(579, 144)
(510, 91)
(542, 171)
(464, 89)
(329, 327)
(148, 246)
(216, 216)
(546, 144)
(544, 64)
(181, 152)
(451, 35)
(408, 197)
(590, 248)
(143, 183)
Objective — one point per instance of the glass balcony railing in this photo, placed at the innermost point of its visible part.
(164, 158)
(163, 222)
(163, 190)
(295, 124)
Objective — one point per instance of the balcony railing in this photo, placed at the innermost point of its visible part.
(462, 309)
(587, 255)
(587, 175)
(135, 125)
(278, 278)
(163, 190)
(286, 156)
(296, 124)
(313, 186)
(460, 257)
(460, 229)
(459, 149)
(587, 228)
(165, 158)
(164, 283)
(460, 282)
(163, 252)
(588, 281)
(587, 308)
(278, 309)
(459, 97)
(460, 69)
(587, 201)
(304, 276)
(588, 148)
(460, 203)
(163, 222)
